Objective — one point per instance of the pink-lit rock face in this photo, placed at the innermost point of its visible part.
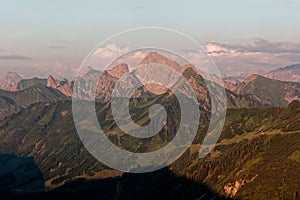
(64, 86)
(289, 73)
(119, 70)
(9, 81)
(154, 57)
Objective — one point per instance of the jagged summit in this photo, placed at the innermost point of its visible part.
(52, 82)
(10, 80)
(154, 57)
(119, 70)
(63, 86)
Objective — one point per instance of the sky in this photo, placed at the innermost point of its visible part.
(38, 37)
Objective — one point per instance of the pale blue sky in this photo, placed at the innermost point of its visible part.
(48, 31)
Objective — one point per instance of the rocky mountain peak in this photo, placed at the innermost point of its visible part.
(52, 82)
(13, 75)
(119, 70)
(10, 80)
(154, 57)
(62, 85)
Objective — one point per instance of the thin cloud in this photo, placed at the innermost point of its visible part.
(14, 57)
(5, 55)
(110, 51)
(262, 45)
(139, 7)
(57, 47)
(142, 7)
(289, 1)
(256, 54)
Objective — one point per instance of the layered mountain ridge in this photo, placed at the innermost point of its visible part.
(248, 93)
(256, 155)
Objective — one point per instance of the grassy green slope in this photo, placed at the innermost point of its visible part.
(270, 91)
(258, 148)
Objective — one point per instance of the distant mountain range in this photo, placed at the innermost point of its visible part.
(13, 101)
(288, 73)
(256, 156)
(235, 84)
(239, 77)
(270, 91)
(10, 80)
(28, 91)
(242, 91)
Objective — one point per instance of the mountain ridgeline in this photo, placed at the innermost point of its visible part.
(269, 91)
(256, 155)
(28, 91)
